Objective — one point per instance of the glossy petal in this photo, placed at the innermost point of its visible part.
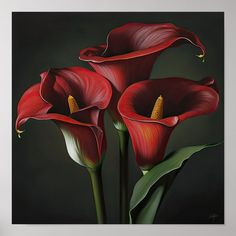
(84, 144)
(88, 88)
(31, 105)
(183, 99)
(131, 51)
(139, 39)
(83, 130)
(123, 73)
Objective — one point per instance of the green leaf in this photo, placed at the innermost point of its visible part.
(143, 186)
(148, 212)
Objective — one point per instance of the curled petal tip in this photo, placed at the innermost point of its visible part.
(201, 56)
(207, 81)
(19, 132)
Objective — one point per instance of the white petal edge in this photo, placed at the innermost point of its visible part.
(73, 146)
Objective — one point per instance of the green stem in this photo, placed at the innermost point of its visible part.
(96, 180)
(124, 206)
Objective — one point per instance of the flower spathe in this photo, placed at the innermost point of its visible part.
(75, 98)
(183, 99)
(130, 52)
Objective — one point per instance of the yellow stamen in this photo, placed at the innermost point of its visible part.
(73, 105)
(19, 132)
(157, 111)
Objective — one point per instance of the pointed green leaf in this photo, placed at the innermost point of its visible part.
(148, 212)
(143, 186)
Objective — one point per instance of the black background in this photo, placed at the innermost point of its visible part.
(47, 186)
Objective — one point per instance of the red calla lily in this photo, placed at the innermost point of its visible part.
(130, 53)
(183, 99)
(83, 130)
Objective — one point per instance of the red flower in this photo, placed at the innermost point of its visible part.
(182, 98)
(130, 53)
(75, 98)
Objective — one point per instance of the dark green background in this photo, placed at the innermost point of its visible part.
(48, 187)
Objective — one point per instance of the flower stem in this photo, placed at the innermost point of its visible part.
(96, 180)
(124, 206)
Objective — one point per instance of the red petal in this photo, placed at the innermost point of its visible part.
(149, 141)
(90, 138)
(123, 73)
(130, 53)
(138, 39)
(56, 85)
(82, 84)
(84, 144)
(31, 105)
(183, 99)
